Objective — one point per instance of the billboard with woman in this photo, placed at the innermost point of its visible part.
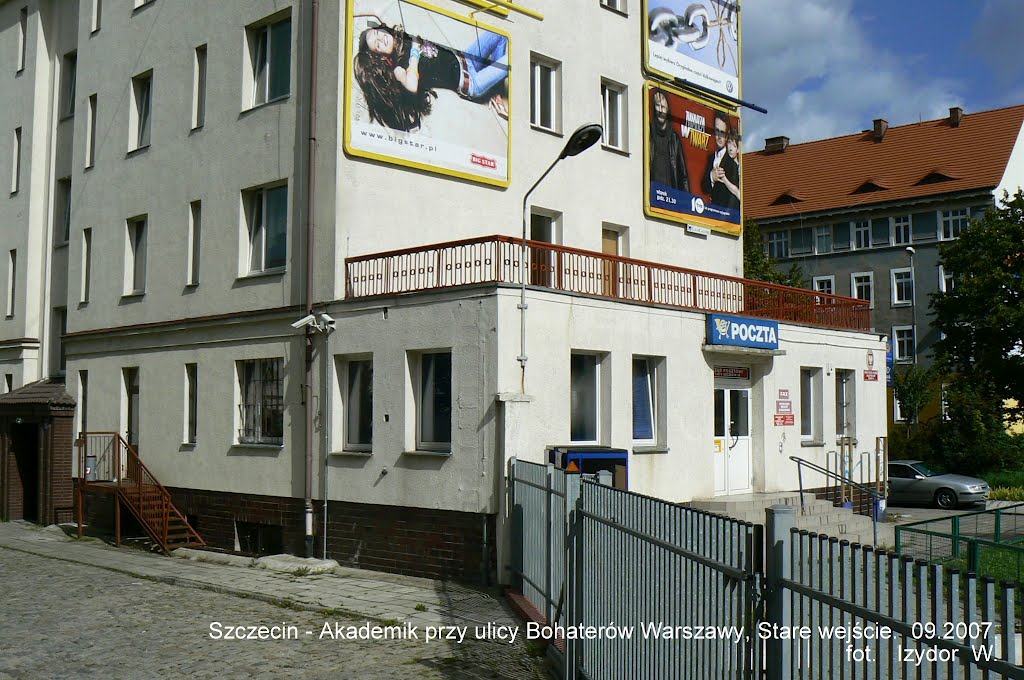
(427, 89)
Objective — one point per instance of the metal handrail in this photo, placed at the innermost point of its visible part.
(800, 463)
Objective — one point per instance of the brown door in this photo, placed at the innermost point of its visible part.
(541, 263)
(610, 268)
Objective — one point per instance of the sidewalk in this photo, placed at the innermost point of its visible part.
(355, 592)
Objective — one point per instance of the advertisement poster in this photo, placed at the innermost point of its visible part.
(695, 40)
(693, 159)
(427, 89)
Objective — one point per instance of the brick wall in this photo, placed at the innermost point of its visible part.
(12, 485)
(59, 503)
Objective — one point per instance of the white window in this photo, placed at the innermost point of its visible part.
(97, 15)
(267, 216)
(22, 37)
(358, 402)
(903, 343)
(135, 262)
(86, 264)
(12, 281)
(191, 402)
(90, 133)
(613, 98)
(862, 235)
(946, 283)
(270, 50)
(897, 412)
(778, 244)
(63, 227)
(902, 286)
(433, 380)
(617, 5)
(862, 286)
(545, 93)
(645, 401)
(261, 406)
(823, 239)
(810, 404)
(825, 284)
(199, 88)
(68, 76)
(845, 403)
(195, 230)
(16, 162)
(584, 398)
(901, 234)
(141, 110)
(953, 222)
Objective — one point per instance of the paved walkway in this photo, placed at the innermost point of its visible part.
(348, 596)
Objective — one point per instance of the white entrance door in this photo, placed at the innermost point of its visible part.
(732, 453)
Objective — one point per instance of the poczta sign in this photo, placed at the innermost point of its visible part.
(742, 332)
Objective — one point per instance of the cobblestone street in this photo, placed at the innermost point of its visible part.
(61, 619)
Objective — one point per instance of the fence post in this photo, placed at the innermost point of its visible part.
(956, 535)
(549, 502)
(972, 556)
(573, 581)
(780, 521)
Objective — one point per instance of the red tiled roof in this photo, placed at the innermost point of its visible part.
(827, 174)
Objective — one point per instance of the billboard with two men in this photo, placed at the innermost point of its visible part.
(425, 88)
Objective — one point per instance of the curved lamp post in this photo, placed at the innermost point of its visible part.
(582, 139)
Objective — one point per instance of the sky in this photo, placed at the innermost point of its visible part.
(824, 68)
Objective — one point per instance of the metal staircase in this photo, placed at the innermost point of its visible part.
(108, 464)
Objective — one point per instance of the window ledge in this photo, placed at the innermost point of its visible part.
(615, 10)
(145, 4)
(137, 151)
(276, 271)
(61, 244)
(547, 131)
(353, 454)
(275, 100)
(238, 446)
(900, 304)
(133, 295)
(615, 149)
(649, 449)
(188, 446)
(435, 454)
(807, 443)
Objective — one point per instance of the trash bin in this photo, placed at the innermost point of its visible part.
(90, 468)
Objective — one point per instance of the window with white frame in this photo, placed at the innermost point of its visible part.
(810, 404)
(191, 402)
(86, 283)
(845, 403)
(823, 239)
(141, 111)
(902, 286)
(862, 286)
(62, 229)
(584, 397)
(90, 133)
(901, 234)
(862, 235)
(645, 400)
(778, 244)
(433, 382)
(897, 412)
(946, 283)
(12, 281)
(135, 261)
(824, 284)
(270, 55)
(903, 343)
(953, 222)
(261, 408)
(16, 161)
(199, 88)
(22, 38)
(68, 76)
(195, 231)
(545, 93)
(357, 379)
(267, 217)
(613, 102)
(617, 5)
(97, 15)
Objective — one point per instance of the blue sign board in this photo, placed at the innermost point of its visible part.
(741, 331)
(890, 373)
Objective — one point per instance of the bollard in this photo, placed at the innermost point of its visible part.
(779, 525)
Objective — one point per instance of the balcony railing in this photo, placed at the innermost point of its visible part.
(496, 259)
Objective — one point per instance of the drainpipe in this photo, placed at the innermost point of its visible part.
(310, 234)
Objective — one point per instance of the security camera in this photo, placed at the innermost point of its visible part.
(305, 321)
(327, 320)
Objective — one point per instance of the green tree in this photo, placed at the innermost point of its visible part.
(759, 266)
(982, 317)
(913, 388)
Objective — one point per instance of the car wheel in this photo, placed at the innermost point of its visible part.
(945, 499)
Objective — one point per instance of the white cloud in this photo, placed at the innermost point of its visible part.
(814, 67)
(996, 36)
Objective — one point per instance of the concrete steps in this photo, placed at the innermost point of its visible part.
(816, 515)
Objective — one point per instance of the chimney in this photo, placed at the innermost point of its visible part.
(881, 125)
(776, 144)
(956, 114)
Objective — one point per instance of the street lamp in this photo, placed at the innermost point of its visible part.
(913, 300)
(582, 139)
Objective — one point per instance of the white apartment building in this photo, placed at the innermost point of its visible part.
(158, 245)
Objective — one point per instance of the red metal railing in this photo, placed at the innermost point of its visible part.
(496, 259)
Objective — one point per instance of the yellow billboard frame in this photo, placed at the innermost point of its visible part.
(651, 211)
(394, 160)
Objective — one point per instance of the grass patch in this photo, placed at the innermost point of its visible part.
(420, 607)
(1007, 493)
(1004, 478)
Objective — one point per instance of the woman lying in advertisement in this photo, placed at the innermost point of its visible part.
(398, 74)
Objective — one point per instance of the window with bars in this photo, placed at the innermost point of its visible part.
(261, 384)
